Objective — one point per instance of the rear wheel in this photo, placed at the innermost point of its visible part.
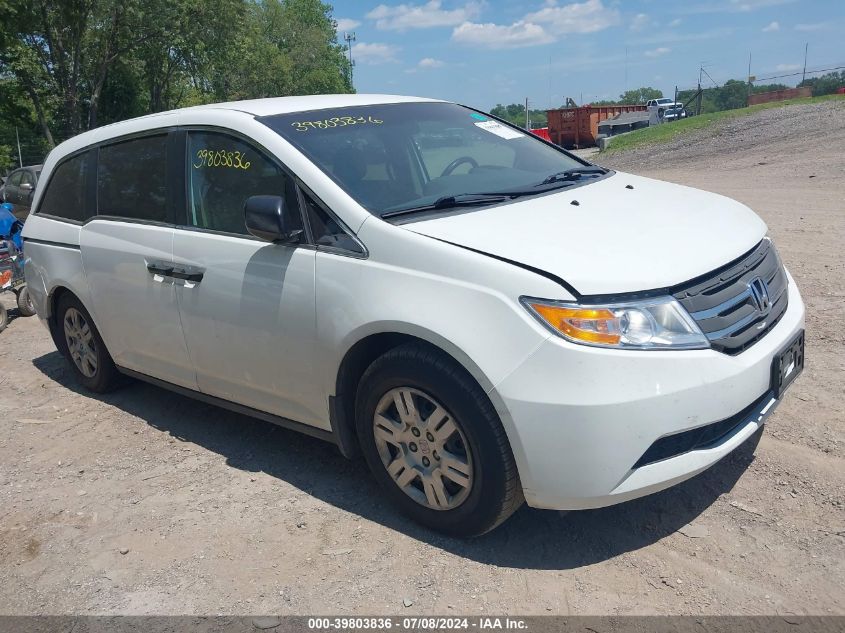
(4, 317)
(434, 442)
(82, 345)
(25, 305)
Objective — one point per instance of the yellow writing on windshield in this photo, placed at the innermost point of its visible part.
(337, 121)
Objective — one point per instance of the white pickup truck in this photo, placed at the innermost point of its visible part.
(667, 109)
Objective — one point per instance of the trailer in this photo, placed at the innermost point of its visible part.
(579, 126)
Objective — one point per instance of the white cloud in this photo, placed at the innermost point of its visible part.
(787, 67)
(733, 6)
(421, 16)
(539, 27)
(657, 52)
(491, 35)
(345, 24)
(578, 17)
(818, 26)
(639, 22)
(430, 62)
(675, 22)
(374, 54)
(771, 27)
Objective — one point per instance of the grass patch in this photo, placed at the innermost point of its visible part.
(669, 131)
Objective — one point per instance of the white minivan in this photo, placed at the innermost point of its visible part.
(487, 318)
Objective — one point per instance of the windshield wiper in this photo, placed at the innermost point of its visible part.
(572, 174)
(457, 200)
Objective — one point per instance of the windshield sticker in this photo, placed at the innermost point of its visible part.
(337, 121)
(221, 158)
(480, 117)
(498, 129)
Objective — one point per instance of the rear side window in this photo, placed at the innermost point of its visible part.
(131, 179)
(65, 194)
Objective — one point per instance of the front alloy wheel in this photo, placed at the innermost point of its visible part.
(434, 441)
(423, 448)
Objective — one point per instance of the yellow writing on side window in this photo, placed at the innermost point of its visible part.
(221, 158)
(337, 121)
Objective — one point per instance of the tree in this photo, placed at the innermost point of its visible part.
(639, 95)
(71, 65)
(732, 95)
(515, 113)
(825, 84)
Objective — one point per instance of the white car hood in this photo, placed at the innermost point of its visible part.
(616, 239)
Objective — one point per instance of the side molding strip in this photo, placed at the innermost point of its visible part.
(320, 434)
(49, 243)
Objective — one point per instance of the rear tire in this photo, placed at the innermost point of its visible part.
(434, 442)
(4, 317)
(25, 305)
(81, 343)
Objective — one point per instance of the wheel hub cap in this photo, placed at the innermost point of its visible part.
(80, 342)
(423, 448)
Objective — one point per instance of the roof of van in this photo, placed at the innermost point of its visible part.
(284, 105)
(251, 107)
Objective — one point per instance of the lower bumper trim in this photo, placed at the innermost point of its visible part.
(701, 437)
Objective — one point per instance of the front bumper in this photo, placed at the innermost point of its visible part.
(579, 418)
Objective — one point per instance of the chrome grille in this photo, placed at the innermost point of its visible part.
(737, 305)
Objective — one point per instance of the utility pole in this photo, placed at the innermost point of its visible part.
(349, 38)
(626, 69)
(18, 136)
(750, 87)
(804, 74)
(698, 104)
(527, 116)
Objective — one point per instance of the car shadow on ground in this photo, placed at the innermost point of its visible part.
(534, 539)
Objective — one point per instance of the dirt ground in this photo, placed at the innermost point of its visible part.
(146, 502)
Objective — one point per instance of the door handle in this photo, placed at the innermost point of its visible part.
(159, 269)
(187, 275)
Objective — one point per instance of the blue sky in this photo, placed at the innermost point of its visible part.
(484, 52)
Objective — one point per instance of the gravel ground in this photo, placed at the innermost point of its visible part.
(143, 501)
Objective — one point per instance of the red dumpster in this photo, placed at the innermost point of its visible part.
(578, 127)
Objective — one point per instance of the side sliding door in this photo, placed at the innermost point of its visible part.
(126, 248)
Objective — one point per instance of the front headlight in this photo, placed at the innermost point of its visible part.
(657, 323)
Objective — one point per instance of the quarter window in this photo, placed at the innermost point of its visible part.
(223, 172)
(326, 230)
(131, 179)
(65, 194)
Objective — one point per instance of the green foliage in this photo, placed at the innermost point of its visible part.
(633, 97)
(825, 84)
(7, 162)
(71, 65)
(664, 133)
(515, 113)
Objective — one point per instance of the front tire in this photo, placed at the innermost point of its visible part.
(81, 343)
(434, 442)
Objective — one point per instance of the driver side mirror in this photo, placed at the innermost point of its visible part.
(267, 219)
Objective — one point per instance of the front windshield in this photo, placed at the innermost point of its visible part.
(391, 157)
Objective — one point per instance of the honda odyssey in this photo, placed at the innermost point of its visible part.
(485, 317)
